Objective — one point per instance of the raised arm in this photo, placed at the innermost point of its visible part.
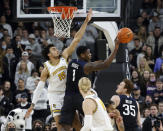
(69, 50)
(37, 91)
(95, 66)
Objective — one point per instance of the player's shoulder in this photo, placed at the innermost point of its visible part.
(88, 102)
(116, 97)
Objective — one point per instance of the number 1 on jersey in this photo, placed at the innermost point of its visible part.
(73, 77)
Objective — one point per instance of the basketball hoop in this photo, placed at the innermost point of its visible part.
(62, 18)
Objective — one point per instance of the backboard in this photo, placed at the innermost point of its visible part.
(103, 10)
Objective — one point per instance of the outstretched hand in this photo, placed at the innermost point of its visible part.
(89, 15)
(28, 113)
(117, 42)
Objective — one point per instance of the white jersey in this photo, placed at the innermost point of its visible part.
(100, 119)
(57, 75)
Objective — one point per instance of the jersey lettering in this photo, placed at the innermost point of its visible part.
(62, 76)
(129, 110)
(73, 78)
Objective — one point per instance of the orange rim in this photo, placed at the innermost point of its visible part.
(66, 11)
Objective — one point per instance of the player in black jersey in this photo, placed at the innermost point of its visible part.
(78, 68)
(128, 106)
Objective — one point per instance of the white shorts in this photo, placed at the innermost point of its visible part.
(56, 102)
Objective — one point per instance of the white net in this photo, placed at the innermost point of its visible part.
(62, 22)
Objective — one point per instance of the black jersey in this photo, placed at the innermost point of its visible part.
(74, 72)
(128, 109)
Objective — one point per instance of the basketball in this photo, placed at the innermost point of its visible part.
(125, 35)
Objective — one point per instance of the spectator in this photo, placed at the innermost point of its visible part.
(25, 58)
(53, 126)
(18, 46)
(143, 65)
(136, 50)
(54, 40)
(143, 82)
(38, 125)
(47, 127)
(145, 16)
(159, 62)
(24, 40)
(36, 48)
(148, 125)
(32, 58)
(22, 73)
(138, 24)
(10, 62)
(159, 74)
(135, 78)
(148, 101)
(37, 35)
(8, 90)
(151, 86)
(155, 21)
(138, 97)
(158, 93)
(160, 108)
(146, 113)
(3, 46)
(142, 54)
(24, 105)
(142, 34)
(5, 105)
(149, 57)
(155, 41)
(7, 39)
(20, 90)
(30, 84)
(18, 31)
(5, 25)
(10, 126)
(43, 35)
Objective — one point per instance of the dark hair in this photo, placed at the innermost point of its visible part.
(80, 50)
(128, 85)
(153, 104)
(34, 70)
(46, 51)
(38, 121)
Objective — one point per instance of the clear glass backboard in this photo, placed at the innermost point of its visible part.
(37, 9)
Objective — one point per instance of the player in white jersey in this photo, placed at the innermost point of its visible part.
(96, 117)
(55, 72)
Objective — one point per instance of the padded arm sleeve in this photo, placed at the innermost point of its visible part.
(37, 91)
(87, 123)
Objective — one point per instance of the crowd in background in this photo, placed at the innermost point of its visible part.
(21, 60)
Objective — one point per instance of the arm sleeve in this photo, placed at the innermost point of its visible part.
(37, 91)
(87, 123)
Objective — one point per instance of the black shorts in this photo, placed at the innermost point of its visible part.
(70, 105)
